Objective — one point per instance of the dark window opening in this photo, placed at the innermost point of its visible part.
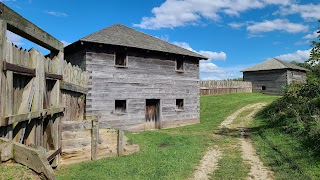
(121, 59)
(120, 106)
(179, 104)
(179, 66)
(263, 88)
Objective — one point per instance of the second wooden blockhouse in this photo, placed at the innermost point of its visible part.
(136, 81)
(271, 75)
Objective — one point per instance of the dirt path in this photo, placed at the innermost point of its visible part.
(249, 154)
(209, 162)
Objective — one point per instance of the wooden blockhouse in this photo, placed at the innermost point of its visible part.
(271, 75)
(136, 81)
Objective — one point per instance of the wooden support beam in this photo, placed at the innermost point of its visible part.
(34, 158)
(28, 116)
(10, 53)
(94, 139)
(53, 76)
(6, 149)
(120, 142)
(73, 87)
(23, 27)
(18, 69)
(52, 154)
(3, 29)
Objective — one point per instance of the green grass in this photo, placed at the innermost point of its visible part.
(288, 157)
(165, 154)
(15, 171)
(169, 153)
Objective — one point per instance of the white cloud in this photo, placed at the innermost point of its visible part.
(209, 67)
(15, 39)
(56, 13)
(306, 11)
(299, 56)
(210, 71)
(214, 55)
(176, 13)
(209, 54)
(277, 25)
(314, 35)
(65, 43)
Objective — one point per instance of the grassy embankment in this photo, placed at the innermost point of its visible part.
(286, 154)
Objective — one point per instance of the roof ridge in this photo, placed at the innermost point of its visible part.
(282, 62)
(122, 35)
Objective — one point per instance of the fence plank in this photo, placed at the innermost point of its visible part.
(3, 29)
(224, 86)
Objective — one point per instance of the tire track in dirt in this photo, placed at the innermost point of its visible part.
(209, 162)
(257, 171)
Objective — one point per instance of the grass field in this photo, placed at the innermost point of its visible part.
(169, 153)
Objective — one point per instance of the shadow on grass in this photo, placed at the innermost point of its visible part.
(300, 148)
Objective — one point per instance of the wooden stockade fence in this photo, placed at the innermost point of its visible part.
(42, 105)
(30, 107)
(224, 87)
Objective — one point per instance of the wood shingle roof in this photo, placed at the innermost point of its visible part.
(124, 36)
(274, 63)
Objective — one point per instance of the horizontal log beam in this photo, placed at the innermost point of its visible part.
(8, 120)
(73, 87)
(21, 26)
(53, 76)
(18, 69)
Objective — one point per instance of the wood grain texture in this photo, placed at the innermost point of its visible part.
(273, 80)
(146, 77)
(26, 29)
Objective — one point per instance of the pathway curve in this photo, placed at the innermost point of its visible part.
(209, 162)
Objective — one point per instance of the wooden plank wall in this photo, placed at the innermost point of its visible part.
(224, 87)
(295, 75)
(31, 108)
(145, 77)
(73, 90)
(273, 80)
(83, 140)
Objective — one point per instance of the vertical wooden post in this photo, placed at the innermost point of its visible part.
(55, 101)
(94, 139)
(9, 88)
(3, 29)
(120, 142)
(38, 88)
(34, 106)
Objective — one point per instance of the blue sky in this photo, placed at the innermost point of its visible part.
(234, 34)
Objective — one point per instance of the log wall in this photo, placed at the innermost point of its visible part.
(272, 80)
(146, 76)
(224, 87)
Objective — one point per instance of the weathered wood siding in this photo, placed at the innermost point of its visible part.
(224, 87)
(144, 78)
(273, 80)
(83, 140)
(294, 75)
